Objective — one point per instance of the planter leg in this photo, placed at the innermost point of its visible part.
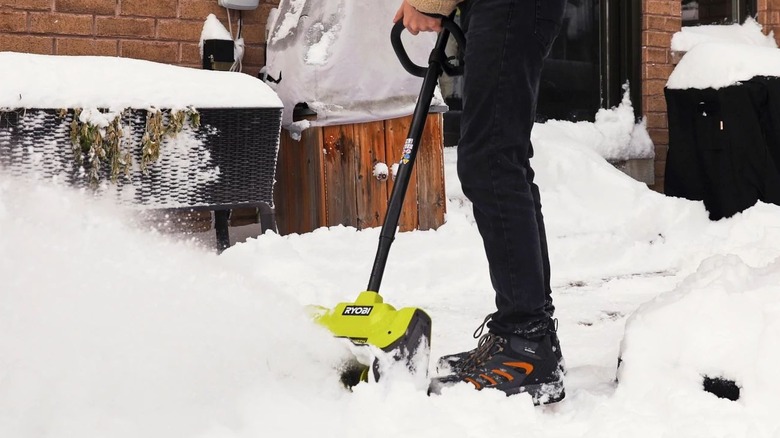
(221, 226)
(267, 217)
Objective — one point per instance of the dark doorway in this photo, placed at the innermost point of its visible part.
(596, 53)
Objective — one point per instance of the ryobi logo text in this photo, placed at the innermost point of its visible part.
(357, 310)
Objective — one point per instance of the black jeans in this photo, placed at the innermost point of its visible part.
(507, 42)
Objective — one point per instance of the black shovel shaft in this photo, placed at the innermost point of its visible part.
(405, 167)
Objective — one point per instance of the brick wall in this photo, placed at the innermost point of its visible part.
(660, 20)
(769, 15)
(157, 30)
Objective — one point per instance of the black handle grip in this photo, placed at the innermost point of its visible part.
(450, 27)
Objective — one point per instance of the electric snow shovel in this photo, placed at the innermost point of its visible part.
(368, 321)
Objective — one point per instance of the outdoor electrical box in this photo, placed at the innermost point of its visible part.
(241, 5)
(218, 54)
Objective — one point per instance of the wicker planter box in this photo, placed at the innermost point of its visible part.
(228, 162)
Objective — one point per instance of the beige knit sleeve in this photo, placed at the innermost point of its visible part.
(443, 7)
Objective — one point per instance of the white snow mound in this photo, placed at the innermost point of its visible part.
(723, 321)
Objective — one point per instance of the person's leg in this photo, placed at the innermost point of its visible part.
(507, 43)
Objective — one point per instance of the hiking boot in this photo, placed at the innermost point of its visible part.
(511, 364)
(456, 363)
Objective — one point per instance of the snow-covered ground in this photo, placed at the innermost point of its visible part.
(110, 330)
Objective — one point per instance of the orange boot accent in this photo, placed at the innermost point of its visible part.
(504, 374)
(525, 366)
(489, 379)
(473, 382)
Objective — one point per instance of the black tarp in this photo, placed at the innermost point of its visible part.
(724, 145)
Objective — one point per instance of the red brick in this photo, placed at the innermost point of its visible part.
(657, 121)
(150, 50)
(256, 16)
(661, 150)
(657, 7)
(13, 21)
(657, 71)
(660, 170)
(659, 136)
(253, 33)
(99, 7)
(200, 9)
(87, 46)
(655, 103)
(662, 23)
(31, 5)
(123, 26)
(190, 54)
(67, 24)
(156, 8)
(654, 87)
(27, 44)
(655, 55)
(254, 54)
(179, 30)
(657, 39)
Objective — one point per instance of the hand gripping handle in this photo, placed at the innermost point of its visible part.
(437, 55)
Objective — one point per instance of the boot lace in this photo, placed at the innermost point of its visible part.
(488, 346)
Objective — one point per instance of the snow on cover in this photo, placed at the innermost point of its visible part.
(48, 81)
(719, 56)
(327, 60)
(748, 33)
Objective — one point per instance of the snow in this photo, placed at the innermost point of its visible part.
(110, 329)
(718, 65)
(719, 56)
(381, 171)
(328, 61)
(748, 33)
(213, 29)
(46, 81)
(614, 135)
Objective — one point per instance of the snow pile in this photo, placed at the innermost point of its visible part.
(614, 135)
(110, 331)
(47, 81)
(723, 321)
(748, 33)
(336, 58)
(107, 331)
(718, 65)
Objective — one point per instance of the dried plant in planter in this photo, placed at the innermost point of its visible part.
(157, 130)
(100, 141)
(97, 144)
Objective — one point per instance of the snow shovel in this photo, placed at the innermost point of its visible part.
(368, 321)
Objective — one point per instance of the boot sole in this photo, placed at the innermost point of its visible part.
(541, 393)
